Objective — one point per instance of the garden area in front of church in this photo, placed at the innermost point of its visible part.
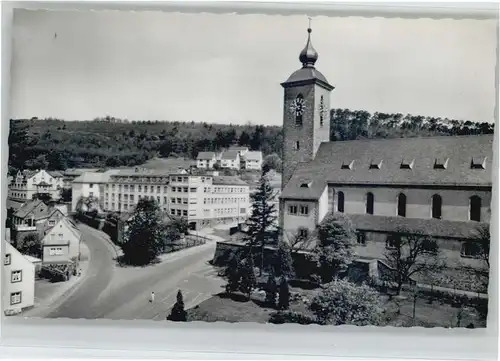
(399, 311)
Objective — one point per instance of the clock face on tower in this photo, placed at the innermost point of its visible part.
(298, 106)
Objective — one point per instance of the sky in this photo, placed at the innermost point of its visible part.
(227, 68)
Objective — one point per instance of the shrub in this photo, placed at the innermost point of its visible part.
(282, 317)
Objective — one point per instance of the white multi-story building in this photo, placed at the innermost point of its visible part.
(207, 200)
(124, 188)
(90, 184)
(27, 183)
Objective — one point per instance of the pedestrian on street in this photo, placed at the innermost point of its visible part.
(152, 299)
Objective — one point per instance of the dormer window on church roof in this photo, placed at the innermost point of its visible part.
(478, 163)
(405, 164)
(347, 165)
(441, 163)
(376, 164)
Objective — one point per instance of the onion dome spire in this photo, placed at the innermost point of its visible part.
(308, 56)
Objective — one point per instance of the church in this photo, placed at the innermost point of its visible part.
(437, 186)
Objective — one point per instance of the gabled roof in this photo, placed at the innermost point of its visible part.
(55, 174)
(239, 149)
(253, 155)
(9, 248)
(65, 222)
(326, 168)
(37, 209)
(28, 207)
(206, 155)
(230, 155)
(95, 177)
(28, 173)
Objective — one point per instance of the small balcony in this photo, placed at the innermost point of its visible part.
(24, 227)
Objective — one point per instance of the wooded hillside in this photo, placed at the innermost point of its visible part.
(58, 144)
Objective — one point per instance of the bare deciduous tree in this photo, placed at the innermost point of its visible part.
(412, 254)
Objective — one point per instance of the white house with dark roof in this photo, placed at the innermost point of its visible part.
(61, 243)
(230, 159)
(206, 160)
(34, 217)
(27, 183)
(438, 186)
(18, 285)
(252, 160)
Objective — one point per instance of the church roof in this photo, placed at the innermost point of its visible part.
(306, 75)
(429, 227)
(442, 161)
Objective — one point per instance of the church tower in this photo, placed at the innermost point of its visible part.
(306, 117)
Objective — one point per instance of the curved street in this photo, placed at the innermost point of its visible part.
(110, 291)
(99, 275)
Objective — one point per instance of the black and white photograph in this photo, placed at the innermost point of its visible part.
(224, 167)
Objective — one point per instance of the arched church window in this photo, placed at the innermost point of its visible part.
(475, 209)
(297, 145)
(369, 203)
(340, 201)
(437, 203)
(401, 205)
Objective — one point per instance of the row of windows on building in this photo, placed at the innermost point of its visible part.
(475, 205)
(158, 189)
(131, 198)
(302, 210)
(131, 188)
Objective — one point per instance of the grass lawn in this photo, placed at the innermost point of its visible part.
(237, 309)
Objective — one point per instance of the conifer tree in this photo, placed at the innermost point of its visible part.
(233, 273)
(284, 295)
(262, 227)
(271, 289)
(178, 313)
(248, 280)
(283, 262)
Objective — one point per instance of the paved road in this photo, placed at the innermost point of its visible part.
(99, 274)
(191, 274)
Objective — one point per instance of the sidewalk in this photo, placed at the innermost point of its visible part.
(207, 235)
(62, 290)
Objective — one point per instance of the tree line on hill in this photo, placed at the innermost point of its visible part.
(56, 144)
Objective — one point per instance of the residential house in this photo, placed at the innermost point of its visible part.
(34, 217)
(230, 159)
(29, 183)
(241, 150)
(206, 160)
(252, 160)
(61, 243)
(18, 281)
